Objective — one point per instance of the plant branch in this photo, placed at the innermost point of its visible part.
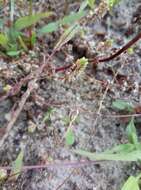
(120, 51)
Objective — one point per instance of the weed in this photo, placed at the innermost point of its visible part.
(132, 183)
(130, 151)
(14, 38)
(17, 165)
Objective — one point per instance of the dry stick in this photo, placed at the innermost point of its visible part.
(18, 110)
(32, 85)
(93, 60)
(104, 95)
(120, 51)
(65, 180)
(84, 110)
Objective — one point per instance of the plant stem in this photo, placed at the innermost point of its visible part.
(98, 59)
(30, 7)
(12, 2)
(120, 51)
(30, 28)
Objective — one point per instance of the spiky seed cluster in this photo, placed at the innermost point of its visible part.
(77, 69)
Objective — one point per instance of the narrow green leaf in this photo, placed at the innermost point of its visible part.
(51, 27)
(27, 21)
(132, 133)
(91, 3)
(83, 5)
(134, 155)
(1, 23)
(12, 6)
(67, 35)
(23, 45)
(69, 137)
(67, 20)
(33, 38)
(131, 184)
(17, 164)
(112, 3)
(122, 105)
(3, 40)
(13, 34)
(73, 17)
(48, 114)
(13, 53)
(122, 148)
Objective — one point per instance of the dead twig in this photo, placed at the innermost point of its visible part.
(104, 96)
(65, 180)
(31, 86)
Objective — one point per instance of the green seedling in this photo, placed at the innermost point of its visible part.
(69, 136)
(17, 165)
(91, 3)
(20, 35)
(123, 152)
(123, 105)
(112, 3)
(132, 133)
(47, 116)
(132, 183)
(13, 38)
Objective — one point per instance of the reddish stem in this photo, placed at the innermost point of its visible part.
(61, 69)
(122, 50)
(99, 59)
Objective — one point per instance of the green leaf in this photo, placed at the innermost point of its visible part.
(33, 38)
(66, 120)
(3, 40)
(131, 184)
(48, 114)
(112, 3)
(73, 17)
(1, 23)
(70, 139)
(28, 21)
(13, 53)
(12, 6)
(122, 105)
(122, 148)
(67, 35)
(83, 5)
(51, 27)
(131, 156)
(91, 3)
(17, 164)
(132, 133)
(21, 42)
(13, 34)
